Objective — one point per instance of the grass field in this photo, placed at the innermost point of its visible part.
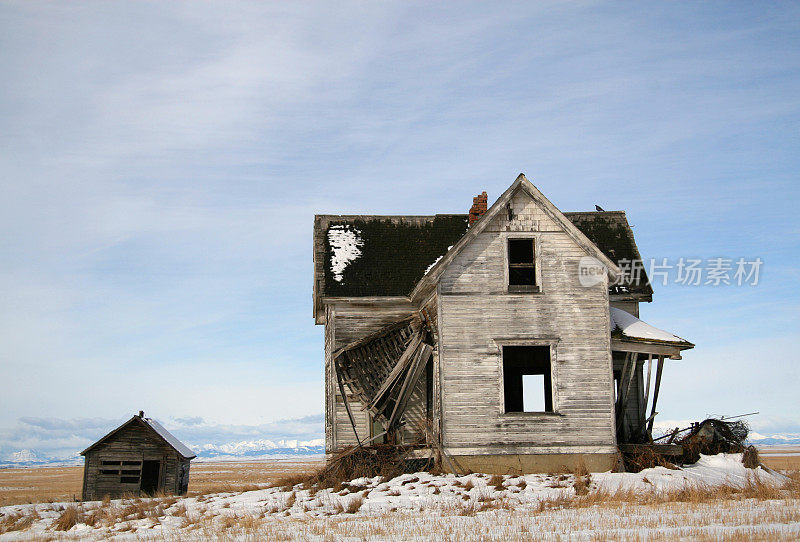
(60, 484)
(228, 501)
(781, 457)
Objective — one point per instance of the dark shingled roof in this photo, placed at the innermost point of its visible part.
(612, 234)
(397, 250)
(395, 253)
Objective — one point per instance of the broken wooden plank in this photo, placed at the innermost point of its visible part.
(657, 387)
(626, 380)
(643, 405)
(402, 363)
(414, 372)
(412, 321)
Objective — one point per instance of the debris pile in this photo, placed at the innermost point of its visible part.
(713, 436)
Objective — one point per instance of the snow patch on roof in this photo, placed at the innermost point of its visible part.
(428, 270)
(633, 328)
(346, 243)
(179, 446)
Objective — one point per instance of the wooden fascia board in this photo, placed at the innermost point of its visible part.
(643, 347)
(639, 298)
(367, 299)
(584, 242)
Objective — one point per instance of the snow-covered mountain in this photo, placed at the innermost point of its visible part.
(260, 448)
(791, 439)
(32, 458)
(246, 449)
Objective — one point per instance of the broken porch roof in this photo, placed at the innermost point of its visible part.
(373, 255)
(627, 327)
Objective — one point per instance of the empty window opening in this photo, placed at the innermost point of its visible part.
(527, 381)
(521, 262)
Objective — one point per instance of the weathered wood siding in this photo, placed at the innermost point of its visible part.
(133, 443)
(476, 314)
(347, 322)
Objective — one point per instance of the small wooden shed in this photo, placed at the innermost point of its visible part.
(139, 457)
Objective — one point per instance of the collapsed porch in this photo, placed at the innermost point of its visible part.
(389, 373)
(635, 343)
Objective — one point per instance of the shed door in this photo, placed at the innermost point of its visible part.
(150, 471)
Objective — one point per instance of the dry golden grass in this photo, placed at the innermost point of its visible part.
(780, 457)
(64, 484)
(68, 519)
(205, 478)
(43, 484)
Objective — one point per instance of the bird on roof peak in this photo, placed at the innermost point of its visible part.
(599, 208)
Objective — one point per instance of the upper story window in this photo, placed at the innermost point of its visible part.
(522, 265)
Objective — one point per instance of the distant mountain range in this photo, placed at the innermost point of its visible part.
(260, 449)
(792, 439)
(251, 450)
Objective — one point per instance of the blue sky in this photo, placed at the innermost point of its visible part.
(161, 163)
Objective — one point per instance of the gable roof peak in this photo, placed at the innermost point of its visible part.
(520, 183)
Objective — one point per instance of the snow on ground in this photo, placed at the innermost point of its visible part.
(410, 497)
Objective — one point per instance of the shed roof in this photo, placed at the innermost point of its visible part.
(380, 255)
(630, 328)
(156, 428)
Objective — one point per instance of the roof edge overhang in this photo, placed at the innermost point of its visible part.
(639, 298)
(671, 349)
(521, 182)
(319, 316)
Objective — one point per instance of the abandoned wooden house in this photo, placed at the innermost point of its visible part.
(139, 457)
(478, 337)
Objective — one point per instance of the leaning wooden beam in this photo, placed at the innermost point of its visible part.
(404, 360)
(623, 378)
(645, 422)
(628, 373)
(347, 406)
(423, 354)
(643, 406)
(655, 395)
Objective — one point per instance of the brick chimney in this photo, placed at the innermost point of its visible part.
(479, 203)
